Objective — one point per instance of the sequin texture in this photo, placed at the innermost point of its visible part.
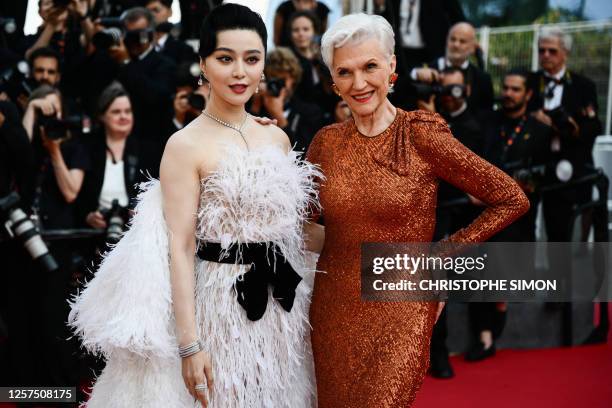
(383, 189)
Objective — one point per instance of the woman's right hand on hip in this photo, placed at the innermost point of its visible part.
(197, 369)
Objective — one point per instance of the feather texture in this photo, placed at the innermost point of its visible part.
(125, 311)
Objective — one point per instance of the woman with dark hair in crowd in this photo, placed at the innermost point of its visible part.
(282, 33)
(180, 307)
(382, 170)
(315, 84)
(118, 159)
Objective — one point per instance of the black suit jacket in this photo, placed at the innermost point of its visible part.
(435, 19)
(150, 83)
(578, 93)
(178, 51)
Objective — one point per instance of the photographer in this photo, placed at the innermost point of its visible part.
(299, 119)
(460, 45)
(118, 161)
(147, 76)
(518, 144)
(61, 162)
(315, 85)
(165, 41)
(451, 100)
(568, 102)
(190, 98)
(45, 66)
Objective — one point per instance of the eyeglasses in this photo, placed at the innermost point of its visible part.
(551, 51)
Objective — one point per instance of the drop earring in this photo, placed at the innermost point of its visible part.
(392, 80)
(336, 90)
(202, 79)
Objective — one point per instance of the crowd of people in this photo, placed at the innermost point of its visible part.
(88, 103)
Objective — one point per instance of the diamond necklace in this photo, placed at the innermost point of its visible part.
(229, 125)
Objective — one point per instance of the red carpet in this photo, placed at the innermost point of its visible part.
(574, 377)
(577, 377)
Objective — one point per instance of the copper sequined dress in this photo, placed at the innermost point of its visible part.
(383, 189)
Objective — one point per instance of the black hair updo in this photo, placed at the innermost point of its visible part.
(229, 16)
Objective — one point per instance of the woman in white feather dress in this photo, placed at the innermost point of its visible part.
(226, 181)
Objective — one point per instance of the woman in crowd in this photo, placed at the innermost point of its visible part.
(118, 159)
(382, 169)
(175, 327)
(282, 34)
(315, 85)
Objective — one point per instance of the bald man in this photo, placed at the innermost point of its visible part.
(461, 43)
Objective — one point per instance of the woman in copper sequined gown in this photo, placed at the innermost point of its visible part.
(382, 170)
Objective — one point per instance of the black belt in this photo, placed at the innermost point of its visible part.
(268, 267)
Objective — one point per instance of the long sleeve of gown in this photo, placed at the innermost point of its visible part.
(453, 162)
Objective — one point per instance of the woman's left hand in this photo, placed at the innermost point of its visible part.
(439, 312)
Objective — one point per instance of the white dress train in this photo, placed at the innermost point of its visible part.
(125, 312)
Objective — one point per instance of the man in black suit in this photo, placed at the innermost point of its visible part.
(420, 28)
(452, 104)
(147, 75)
(165, 42)
(460, 45)
(566, 101)
(518, 144)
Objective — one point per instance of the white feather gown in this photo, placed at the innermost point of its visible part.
(125, 312)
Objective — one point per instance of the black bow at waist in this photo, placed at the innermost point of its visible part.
(268, 267)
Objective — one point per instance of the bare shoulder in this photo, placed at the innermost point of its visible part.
(190, 147)
(273, 134)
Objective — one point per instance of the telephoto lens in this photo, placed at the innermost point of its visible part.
(20, 226)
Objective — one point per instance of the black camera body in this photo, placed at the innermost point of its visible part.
(61, 128)
(425, 91)
(107, 38)
(61, 3)
(196, 101)
(116, 218)
(561, 119)
(14, 81)
(275, 85)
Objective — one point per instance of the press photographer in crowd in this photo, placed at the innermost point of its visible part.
(566, 101)
(191, 96)
(460, 45)
(299, 119)
(61, 162)
(119, 161)
(520, 145)
(315, 85)
(165, 41)
(450, 97)
(128, 54)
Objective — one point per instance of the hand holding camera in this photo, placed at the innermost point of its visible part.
(274, 99)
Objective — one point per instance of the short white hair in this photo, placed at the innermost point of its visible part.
(548, 33)
(354, 28)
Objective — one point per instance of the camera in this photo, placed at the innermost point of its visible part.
(14, 81)
(19, 225)
(425, 91)
(62, 128)
(561, 120)
(196, 101)
(116, 217)
(107, 38)
(275, 85)
(529, 176)
(137, 37)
